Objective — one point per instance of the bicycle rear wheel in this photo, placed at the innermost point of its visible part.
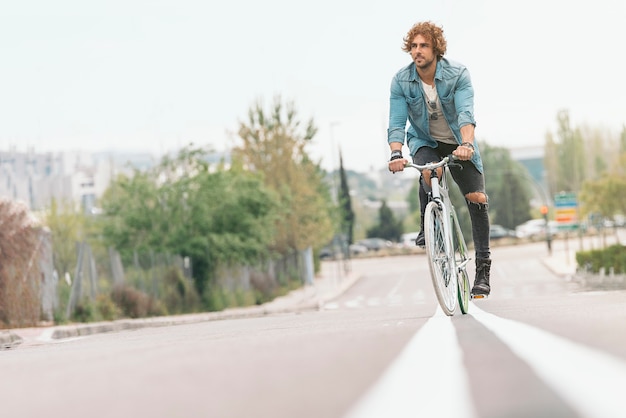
(461, 259)
(440, 257)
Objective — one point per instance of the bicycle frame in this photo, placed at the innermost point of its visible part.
(440, 195)
(448, 259)
(445, 204)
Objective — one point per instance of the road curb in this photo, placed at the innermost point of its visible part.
(560, 267)
(300, 300)
(81, 330)
(9, 339)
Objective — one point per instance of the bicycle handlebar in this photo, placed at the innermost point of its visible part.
(433, 166)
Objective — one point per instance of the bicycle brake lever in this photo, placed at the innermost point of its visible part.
(453, 161)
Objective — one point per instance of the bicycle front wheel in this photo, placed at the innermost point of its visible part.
(440, 258)
(461, 258)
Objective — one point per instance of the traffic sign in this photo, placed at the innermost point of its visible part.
(566, 210)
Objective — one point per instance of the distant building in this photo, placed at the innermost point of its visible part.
(532, 159)
(79, 177)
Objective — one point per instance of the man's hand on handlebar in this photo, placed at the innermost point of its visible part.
(397, 165)
(396, 161)
(464, 152)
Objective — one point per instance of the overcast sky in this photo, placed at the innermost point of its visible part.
(149, 75)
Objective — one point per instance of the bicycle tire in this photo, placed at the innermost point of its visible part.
(460, 258)
(440, 257)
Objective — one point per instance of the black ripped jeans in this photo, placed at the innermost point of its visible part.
(469, 180)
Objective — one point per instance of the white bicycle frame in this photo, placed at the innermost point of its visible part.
(441, 196)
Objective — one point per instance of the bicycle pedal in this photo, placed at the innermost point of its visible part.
(480, 296)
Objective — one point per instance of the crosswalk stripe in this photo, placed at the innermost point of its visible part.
(361, 301)
(588, 379)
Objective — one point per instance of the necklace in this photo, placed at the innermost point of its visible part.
(431, 92)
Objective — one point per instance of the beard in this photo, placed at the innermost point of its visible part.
(423, 62)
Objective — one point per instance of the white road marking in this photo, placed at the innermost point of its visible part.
(395, 301)
(355, 303)
(427, 379)
(394, 290)
(588, 379)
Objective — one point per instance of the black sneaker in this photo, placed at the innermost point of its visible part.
(420, 241)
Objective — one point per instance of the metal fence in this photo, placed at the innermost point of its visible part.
(99, 272)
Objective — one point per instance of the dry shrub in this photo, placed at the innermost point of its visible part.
(20, 272)
(264, 287)
(135, 303)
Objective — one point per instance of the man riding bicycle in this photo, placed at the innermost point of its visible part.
(437, 98)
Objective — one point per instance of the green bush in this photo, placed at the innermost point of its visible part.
(84, 312)
(180, 296)
(215, 299)
(63, 294)
(613, 257)
(107, 309)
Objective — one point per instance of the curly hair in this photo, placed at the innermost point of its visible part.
(431, 32)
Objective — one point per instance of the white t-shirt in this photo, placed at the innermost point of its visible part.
(439, 128)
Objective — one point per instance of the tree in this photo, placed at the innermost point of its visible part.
(413, 198)
(511, 201)
(605, 196)
(550, 163)
(67, 227)
(345, 204)
(566, 157)
(588, 161)
(605, 193)
(508, 186)
(388, 227)
(181, 207)
(273, 145)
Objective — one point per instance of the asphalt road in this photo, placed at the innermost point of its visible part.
(542, 345)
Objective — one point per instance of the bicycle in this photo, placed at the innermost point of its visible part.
(445, 246)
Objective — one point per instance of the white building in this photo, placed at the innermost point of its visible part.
(38, 178)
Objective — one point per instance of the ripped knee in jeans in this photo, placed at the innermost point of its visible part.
(478, 198)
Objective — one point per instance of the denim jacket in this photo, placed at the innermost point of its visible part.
(456, 95)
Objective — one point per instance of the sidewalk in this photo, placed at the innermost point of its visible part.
(328, 285)
(561, 263)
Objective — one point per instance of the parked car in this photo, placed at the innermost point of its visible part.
(535, 228)
(357, 249)
(408, 239)
(375, 244)
(326, 253)
(499, 232)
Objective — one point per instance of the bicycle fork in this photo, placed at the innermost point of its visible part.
(436, 196)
